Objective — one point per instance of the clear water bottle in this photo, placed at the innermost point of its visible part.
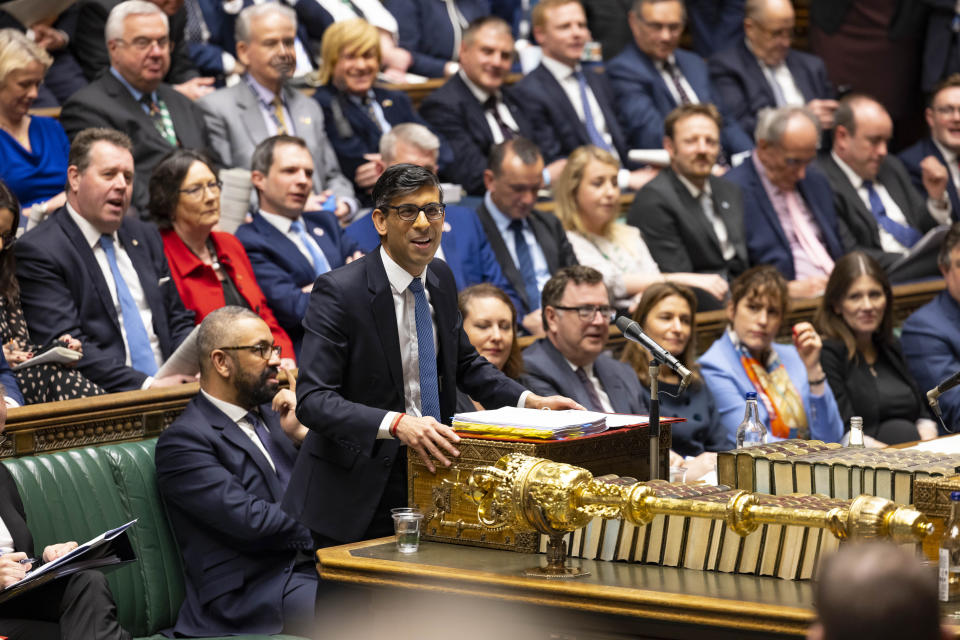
(949, 565)
(751, 431)
(856, 433)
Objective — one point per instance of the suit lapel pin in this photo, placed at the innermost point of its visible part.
(387, 103)
(305, 120)
(446, 227)
(317, 231)
(135, 243)
(724, 204)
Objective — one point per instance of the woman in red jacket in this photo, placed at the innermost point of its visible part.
(211, 268)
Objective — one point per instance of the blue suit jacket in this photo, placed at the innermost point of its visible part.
(9, 381)
(643, 99)
(911, 158)
(766, 241)
(282, 270)
(427, 33)
(714, 24)
(931, 345)
(728, 382)
(742, 90)
(465, 249)
(62, 290)
(223, 499)
(547, 373)
(555, 118)
(351, 376)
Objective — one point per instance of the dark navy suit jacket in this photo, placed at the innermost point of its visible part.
(931, 344)
(223, 499)
(282, 270)
(554, 117)
(913, 156)
(465, 249)
(742, 90)
(766, 241)
(547, 374)
(643, 99)
(350, 377)
(427, 33)
(62, 290)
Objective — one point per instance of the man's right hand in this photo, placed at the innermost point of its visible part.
(172, 381)
(11, 571)
(824, 110)
(533, 323)
(427, 437)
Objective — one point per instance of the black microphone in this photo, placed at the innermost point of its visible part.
(939, 390)
(632, 331)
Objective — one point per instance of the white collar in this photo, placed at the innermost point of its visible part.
(560, 70)
(852, 175)
(399, 277)
(948, 155)
(233, 411)
(694, 190)
(90, 233)
(480, 94)
(282, 223)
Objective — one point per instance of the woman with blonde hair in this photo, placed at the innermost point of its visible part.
(588, 203)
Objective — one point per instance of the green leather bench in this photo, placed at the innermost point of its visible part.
(80, 493)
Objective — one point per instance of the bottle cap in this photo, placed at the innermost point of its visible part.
(955, 495)
(750, 395)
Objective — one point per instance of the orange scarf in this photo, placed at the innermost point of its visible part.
(782, 400)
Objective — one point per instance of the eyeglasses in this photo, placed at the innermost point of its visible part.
(143, 44)
(947, 110)
(589, 311)
(264, 350)
(410, 212)
(197, 190)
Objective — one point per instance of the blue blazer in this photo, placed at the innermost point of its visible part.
(455, 114)
(547, 373)
(62, 290)
(931, 345)
(742, 90)
(643, 99)
(714, 24)
(728, 382)
(281, 269)
(555, 118)
(223, 499)
(766, 241)
(9, 381)
(427, 33)
(351, 376)
(911, 158)
(465, 249)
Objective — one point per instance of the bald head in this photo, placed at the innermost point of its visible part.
(863, 128)
(768, 25)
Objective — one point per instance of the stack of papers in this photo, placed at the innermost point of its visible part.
(530, 423)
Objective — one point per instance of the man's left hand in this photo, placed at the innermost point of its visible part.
(555, 403)
(934, 177)
(48, 38)
(195, 88)
(285, 404)
(54, 551)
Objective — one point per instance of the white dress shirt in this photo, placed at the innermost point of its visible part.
(781, 81)
(6, 538)
(481, 95)
(283, 224)
(373, 11)
(239, 415)
(705, 198)
(597, 385)
(264, 99)
(566, 76)
(951, 159)
(671, 87)
(502, 220)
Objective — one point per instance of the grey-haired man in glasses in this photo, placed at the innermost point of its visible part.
(222, 468)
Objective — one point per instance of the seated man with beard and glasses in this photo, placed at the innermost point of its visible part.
(222, 468)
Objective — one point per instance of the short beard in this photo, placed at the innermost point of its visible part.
(254, 390)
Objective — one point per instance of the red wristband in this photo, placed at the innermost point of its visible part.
(393, 427)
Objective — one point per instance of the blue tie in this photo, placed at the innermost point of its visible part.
(526, 264)
(429, 386)
(596, 138)
(138, 342)
(280, 462)
(907, 236)
(320, 263)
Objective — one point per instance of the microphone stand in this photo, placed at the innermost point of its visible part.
(654, 425)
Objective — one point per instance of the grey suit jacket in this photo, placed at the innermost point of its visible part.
(235, 123)
(678, 233)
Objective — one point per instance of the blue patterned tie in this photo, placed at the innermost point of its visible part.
(280, 462)
(429, 386)
(138, 342)
(320, 263)
(526, 264)
(907, 236)
(596, 138)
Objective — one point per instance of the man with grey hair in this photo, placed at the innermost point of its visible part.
(789, 218)
(131, 96)
(762, 70)
(263, 104)
(222, 469)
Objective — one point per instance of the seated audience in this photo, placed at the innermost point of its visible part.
(473, 111)
(789, 218)
(931, 155)
(570, 361)
(763, 71)
(667, 313)
(222, 469)
(75, 607)
(490, 322)
(210, 268)
(931, 335)
(588, 204)
(356, 113)
(263, 104)
(33, 149)
(131, 96)
(101, 275)
(463, 245)
(47, 382)
(288, 245)
(432, 32)
(691, 219)
(862, 358)
(530, 245)
(872, 191)
(795, 398)
(651, 77)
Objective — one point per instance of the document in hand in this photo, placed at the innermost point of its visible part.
(185, 360)
(108, 550)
